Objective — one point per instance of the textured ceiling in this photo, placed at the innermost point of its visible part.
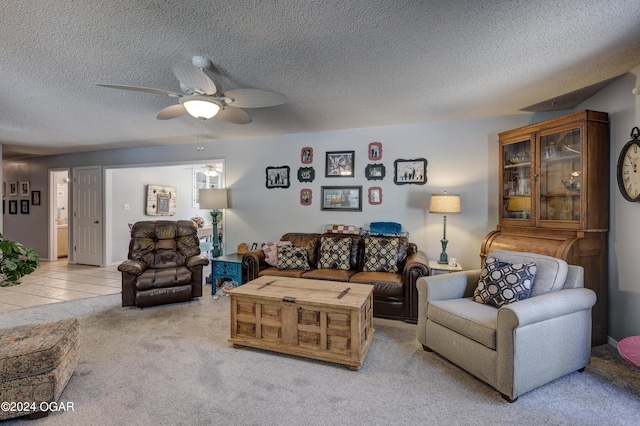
(342, 64)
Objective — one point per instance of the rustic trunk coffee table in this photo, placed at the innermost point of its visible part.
(325, 320)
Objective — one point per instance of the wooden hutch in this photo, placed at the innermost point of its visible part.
(554, 198)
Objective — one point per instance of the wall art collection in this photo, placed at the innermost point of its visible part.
(19, 189)
(341, 164)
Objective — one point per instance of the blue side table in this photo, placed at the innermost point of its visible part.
(229, 266)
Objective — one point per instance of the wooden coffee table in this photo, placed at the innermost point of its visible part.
(325, 320)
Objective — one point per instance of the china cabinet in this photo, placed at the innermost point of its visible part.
(554, 197)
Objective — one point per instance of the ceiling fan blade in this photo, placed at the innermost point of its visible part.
(254, 98)
(234, 115)
(170, 112)
(141, 89)
(194, 78)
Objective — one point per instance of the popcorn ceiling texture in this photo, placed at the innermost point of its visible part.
(342, 64)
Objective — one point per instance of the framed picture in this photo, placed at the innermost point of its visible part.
(24, 189)
(375, 151)
(342, 198)
(306, 174)
(410, 172)
(375, 195)
(13, 188)
(13, 206)
(306, 196)
(161, 200)
(375, 171)
(278, 177)
(35, 198)
(24, 206)
(340, 164)
(306, 155)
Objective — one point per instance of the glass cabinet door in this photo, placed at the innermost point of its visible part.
(516, 180)
(560, 176)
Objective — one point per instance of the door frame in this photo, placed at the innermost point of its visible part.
(52, 254)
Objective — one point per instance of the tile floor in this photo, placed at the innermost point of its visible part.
(58, 281)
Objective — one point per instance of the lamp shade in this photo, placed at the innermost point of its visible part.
(444, 203)
(199, 106)
(212, 199)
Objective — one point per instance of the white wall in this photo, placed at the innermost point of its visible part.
(624, 234)
(462, 158)
(128, 186)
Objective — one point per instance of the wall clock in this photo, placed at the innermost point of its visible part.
(628, 164)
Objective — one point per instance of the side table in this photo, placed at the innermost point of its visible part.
(229, 266)
(443, 268)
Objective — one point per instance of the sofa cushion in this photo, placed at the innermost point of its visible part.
(274, 271)
(335, 253)
(270, 250)
(292, 257)
(329, 274)
(476, 321)
(551, 272)
(502, 283)
(387, 284)
(380, 254)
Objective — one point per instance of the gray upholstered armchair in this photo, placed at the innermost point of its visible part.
(521, 345)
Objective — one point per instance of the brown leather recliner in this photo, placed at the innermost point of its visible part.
(164, 264)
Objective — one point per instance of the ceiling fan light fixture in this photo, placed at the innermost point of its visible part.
(201, 107)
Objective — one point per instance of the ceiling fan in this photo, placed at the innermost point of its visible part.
(201, 98)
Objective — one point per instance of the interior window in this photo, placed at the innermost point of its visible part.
(207, 176)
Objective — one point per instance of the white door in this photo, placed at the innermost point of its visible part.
(87, 215)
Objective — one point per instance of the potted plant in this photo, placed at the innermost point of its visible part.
(16, 261)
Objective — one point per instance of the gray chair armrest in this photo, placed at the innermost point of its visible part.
(442, 287)
(449, 286)
(544, 307)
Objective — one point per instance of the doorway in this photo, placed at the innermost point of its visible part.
(59, 214)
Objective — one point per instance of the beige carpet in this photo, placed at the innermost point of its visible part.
(172, 365)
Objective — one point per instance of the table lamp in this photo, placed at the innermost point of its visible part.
(444, 203)
(214, 199)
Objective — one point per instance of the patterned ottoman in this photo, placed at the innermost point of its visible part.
(36, 362)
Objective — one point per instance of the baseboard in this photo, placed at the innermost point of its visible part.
(612, 342)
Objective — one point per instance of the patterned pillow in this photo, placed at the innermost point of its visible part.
(381, 254)
(502, 283)
(271, 251)
(334, 253)
(342, 229)
(292, 257)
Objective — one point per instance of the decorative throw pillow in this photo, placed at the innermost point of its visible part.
(271, 251)
(381, 254)
(342, 229)
(292, 257)
(502, 283)
(335, 253)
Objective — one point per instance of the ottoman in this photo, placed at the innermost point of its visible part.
(36, 362)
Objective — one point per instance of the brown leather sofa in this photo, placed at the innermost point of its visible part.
(164, 264)
(394, 294)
